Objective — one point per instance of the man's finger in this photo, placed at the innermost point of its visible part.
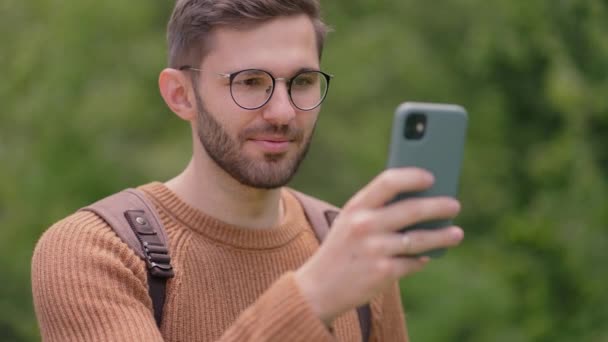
(422, 240)
(405, 266)
(389, 184)
(414, 242)
(416, 210)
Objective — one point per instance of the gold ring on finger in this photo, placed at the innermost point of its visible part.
(407, 243)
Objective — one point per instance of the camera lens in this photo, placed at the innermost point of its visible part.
(415, 126)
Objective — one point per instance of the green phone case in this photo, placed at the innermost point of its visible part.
(439, 151)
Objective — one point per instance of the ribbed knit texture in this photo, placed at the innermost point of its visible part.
(230, 284)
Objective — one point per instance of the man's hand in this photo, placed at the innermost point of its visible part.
(360, 256)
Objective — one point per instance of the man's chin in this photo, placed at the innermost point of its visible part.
(274, 158)
(269, 174)
(265, 170)
(265, 182)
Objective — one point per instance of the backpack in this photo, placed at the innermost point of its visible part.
(133, 218)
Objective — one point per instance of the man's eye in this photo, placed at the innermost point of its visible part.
(250, 82)
(304, 81)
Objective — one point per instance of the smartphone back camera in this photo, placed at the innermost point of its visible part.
(415, 126)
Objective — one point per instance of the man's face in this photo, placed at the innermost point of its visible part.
(260, 148)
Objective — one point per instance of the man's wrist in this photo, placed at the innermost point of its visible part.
(308, 289)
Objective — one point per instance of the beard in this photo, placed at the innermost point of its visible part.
(274, 170)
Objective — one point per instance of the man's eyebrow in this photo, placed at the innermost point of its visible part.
(256, 71)
(261, 70)
(306, 69)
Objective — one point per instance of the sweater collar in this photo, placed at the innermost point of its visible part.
(183, 214)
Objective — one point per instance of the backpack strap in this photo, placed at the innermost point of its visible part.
(133, 218)
(321, 215)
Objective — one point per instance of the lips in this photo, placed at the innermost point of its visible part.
(272, 144)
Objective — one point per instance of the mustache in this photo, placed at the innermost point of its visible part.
(286, 131)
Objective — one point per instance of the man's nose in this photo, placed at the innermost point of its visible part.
(279, 110)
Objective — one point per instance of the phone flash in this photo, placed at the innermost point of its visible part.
(420, 127)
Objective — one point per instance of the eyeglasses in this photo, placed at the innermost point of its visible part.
(252, 88)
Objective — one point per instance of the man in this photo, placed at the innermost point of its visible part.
(246, 76)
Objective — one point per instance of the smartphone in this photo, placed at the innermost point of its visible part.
(430, 136)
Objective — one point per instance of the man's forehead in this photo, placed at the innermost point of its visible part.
(281, 43)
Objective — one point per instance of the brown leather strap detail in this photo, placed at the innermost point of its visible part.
(319, 213)
(113, 208)
(134, 219)
(156, 252)
(330, 216)
(364, 313)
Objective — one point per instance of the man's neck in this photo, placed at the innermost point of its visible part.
(207, 188)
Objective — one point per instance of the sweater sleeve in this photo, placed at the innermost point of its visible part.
(280, 314)
(391, 321)
(89, 286)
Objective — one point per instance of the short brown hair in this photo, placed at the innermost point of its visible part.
(193, 20)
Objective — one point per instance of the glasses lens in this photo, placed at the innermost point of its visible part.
(251, 88)
(308, 89)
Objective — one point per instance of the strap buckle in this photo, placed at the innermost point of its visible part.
(155, 251)
(158, 260)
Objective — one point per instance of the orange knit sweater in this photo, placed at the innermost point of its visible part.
(230, 284)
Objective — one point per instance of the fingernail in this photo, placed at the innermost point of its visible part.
(455, 203)
(457, 234)
(429, 177)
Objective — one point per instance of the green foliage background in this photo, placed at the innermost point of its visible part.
(80, 118)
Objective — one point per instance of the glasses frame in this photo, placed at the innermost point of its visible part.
(288, 81)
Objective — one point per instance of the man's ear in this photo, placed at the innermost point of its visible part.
(175, 90)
